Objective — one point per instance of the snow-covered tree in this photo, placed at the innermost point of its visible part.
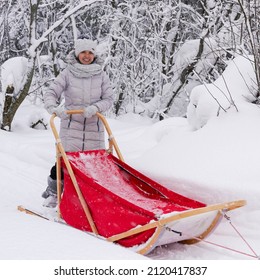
(251, 27)
(38, 31)
(240, 39)
(156, 51)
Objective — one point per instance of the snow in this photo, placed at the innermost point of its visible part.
(11, 75)
(210, 100)
(188, 52)
(216, 163)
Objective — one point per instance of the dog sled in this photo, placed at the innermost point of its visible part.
(106, 197)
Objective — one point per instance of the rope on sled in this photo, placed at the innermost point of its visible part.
(219, 245)
(240, 235)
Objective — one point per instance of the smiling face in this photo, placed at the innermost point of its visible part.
(86, 57)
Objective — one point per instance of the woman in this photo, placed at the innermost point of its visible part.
(86, 86)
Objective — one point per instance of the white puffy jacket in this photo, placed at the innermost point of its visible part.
(77, 132)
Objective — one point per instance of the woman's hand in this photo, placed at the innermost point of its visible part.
(90, 111)
(59, 110)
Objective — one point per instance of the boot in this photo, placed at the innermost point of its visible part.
(50, 194)
(50, 201)
(51, 188)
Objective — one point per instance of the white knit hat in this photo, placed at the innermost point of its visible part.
(85, 45)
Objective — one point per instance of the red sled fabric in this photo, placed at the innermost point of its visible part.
(119, 197)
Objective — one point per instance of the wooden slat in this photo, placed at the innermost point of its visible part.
(222, 207)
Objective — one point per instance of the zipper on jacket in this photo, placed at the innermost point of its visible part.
(69, 122)
(98, 124)
(84, 136)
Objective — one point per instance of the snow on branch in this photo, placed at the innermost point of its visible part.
(43, 38)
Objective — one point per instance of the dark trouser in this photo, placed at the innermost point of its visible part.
(53, 173)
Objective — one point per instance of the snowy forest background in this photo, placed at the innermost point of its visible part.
(155, 52)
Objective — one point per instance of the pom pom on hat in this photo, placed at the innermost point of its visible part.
(85, 45)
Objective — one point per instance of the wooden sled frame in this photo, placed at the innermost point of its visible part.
(159, 225)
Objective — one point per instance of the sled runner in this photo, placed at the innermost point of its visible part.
(105, 196)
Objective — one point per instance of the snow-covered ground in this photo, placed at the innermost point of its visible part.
(216, 163)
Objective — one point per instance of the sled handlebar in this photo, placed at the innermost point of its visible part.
(111, 140)
(60, 152)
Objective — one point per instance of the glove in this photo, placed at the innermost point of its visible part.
(50, 109)
(59, 111)
(90, 111)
